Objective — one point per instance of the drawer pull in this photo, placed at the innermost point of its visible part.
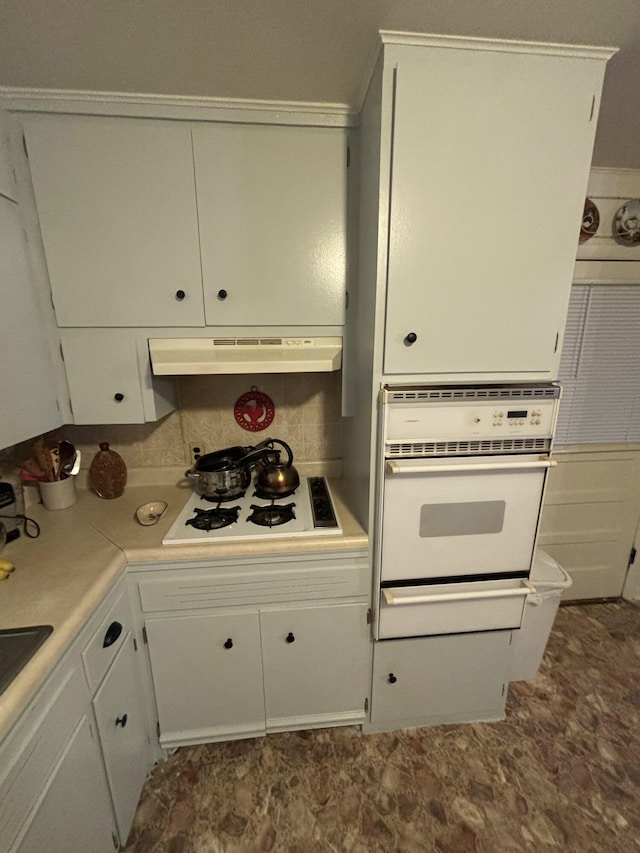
(290, 638)
(229, 644)
(394, 600)
(122, 721)
(113, 632)
(392, 679)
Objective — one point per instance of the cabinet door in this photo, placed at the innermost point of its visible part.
(122, 725)
(29, 404)
(117, 210)
(75, 812)
(103, 377)
(207, 677)
(316, 665)
(272, 213)
(491, 155)
(431, 680)
(7, 177)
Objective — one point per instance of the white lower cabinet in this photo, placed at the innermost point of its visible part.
(73, 766)
(124, 734)
(238, 649)
(448, 679)
(315, 664)
(74, 812)
(207, 676)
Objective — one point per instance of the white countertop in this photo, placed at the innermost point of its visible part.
(62, 576)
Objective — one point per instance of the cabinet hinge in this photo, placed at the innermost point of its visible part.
(348, 156)
(158, 729)
(24, 146)
(116, 841)
(632, 556)
(503, 688)
(555, 346)
(369, 616)
(135, 644)
(144, 635)
(366, 704)
(593, 106)
(61, 352)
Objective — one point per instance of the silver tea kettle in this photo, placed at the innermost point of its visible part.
(276, 478)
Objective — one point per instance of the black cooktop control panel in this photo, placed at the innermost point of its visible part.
(321, 505)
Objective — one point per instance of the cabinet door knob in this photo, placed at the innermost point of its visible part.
(119, 397)
(112, 633)
(290, 638)
(411, 338)
(180, 295)
(392, 679)
(222, 294)
(229, 644)
(121, 721)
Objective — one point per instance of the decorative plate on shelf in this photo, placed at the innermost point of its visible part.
(590, 220)
(626, 222)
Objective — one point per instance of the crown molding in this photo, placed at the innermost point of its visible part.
(185, 107)
(391, 37)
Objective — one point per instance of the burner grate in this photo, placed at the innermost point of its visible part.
(213, 519)
(273, 515)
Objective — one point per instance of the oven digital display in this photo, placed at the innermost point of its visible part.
(517, 413)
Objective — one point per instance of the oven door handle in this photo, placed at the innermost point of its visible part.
(392, 467)
(395, 600)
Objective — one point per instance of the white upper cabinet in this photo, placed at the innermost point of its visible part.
(489, 154)
(27, 389)
(117, 210)
(7, 176)
(272, 214)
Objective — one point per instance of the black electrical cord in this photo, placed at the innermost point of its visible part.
(32, 533)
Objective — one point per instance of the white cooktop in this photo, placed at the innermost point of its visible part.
(181, 533)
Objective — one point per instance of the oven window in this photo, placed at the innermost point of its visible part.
(461, 519)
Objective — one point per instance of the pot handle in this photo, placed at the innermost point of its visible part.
(192, 474)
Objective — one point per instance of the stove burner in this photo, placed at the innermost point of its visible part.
(265, 496)
(219, 500)
(272, 515)
(213, 519)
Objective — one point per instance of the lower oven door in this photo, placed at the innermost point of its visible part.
(451, 608)
(445, 518)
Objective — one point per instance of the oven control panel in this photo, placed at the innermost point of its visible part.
(477, 419)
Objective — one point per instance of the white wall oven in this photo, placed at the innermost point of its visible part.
(463, 472)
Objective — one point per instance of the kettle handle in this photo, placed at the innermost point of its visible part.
(289, 462)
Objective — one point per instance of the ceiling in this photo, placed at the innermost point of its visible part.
(296, 50)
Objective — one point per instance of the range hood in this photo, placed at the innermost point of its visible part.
(187, 356)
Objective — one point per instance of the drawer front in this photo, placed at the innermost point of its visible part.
(107, 640)
(30, 753)
(454, 608)
(189, 590)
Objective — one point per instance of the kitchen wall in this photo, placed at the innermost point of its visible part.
(307, 417)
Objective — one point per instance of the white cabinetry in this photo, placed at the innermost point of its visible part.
(490, 162)
(431, 680)
(280, 645)
(66, 783)
(272, 216)
(27, 390)
(117, 210)
(110, 380)
(7, 175)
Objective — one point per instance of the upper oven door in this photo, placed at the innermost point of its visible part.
(460, 516)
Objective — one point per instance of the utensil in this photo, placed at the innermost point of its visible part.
(67, 454)
(44, 460)
(72, 465)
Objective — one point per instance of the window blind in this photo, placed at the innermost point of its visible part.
(600, 366)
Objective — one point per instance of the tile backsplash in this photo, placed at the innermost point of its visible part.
(307, 417)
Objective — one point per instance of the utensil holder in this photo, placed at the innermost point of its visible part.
(58, 494)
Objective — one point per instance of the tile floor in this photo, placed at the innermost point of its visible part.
(562, 772)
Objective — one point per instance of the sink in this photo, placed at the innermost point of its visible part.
(17, 647)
